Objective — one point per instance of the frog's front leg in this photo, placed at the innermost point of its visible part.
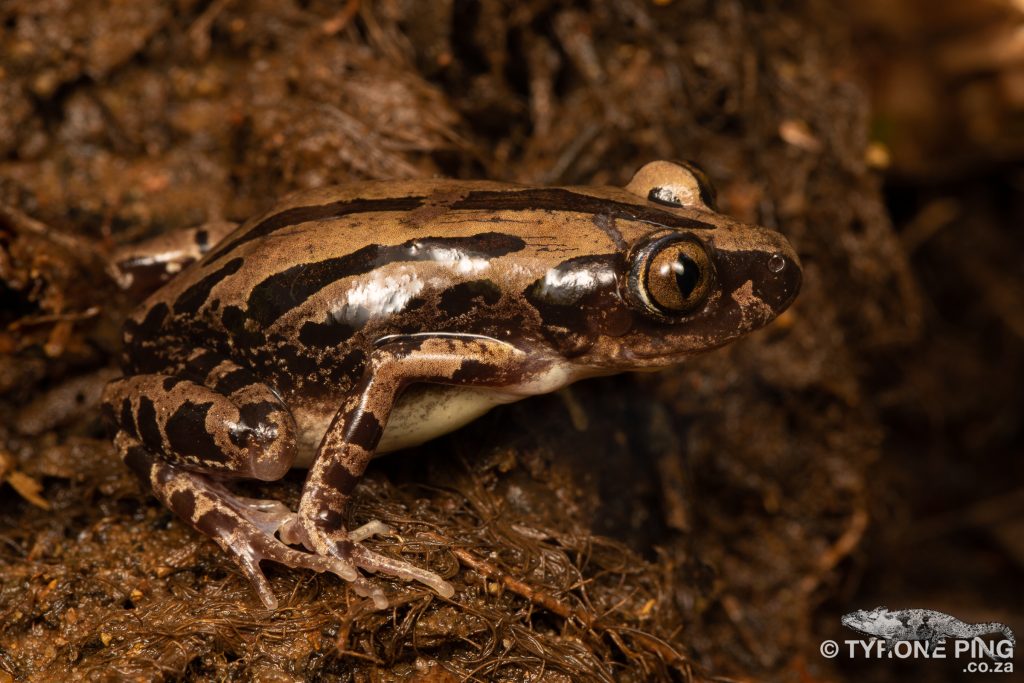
(351, 439)
(214, 418)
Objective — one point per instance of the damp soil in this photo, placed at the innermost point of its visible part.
(709, 522)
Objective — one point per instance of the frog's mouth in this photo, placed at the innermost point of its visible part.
(642, 359)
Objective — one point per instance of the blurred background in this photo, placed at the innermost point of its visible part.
(865, 450)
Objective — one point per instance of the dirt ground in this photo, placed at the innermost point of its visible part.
(711, 522)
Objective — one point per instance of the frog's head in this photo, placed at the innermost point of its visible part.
(689, 279)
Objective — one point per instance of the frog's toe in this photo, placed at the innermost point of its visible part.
(370, 561)
(374, 528)
(249, 550)
(347, 547)
(365, 589)
(269, 548)
(245, 527)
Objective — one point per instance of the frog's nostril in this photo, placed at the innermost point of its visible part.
(781, 283)
(776, 262)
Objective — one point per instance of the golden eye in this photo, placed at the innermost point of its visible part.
(671, 276)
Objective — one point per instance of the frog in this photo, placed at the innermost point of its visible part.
(356, 320)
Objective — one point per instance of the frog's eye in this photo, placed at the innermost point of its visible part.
(671, 275)
(674, 183)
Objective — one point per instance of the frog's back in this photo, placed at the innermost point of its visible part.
(301, 293)
(363, 213)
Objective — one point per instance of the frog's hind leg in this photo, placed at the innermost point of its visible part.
(214, 418)
(242, 527)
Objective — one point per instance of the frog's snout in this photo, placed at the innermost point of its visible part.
(783, 277)
(773, 268)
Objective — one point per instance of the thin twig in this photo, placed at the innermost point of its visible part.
(341, 19)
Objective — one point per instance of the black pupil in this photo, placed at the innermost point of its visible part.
(687, 275)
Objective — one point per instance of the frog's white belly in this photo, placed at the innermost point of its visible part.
(427, 411)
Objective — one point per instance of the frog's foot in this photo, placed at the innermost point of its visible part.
(271, 516)
(290, 529)
(248, 545)
(274, 517)
(347, 547)
(242, 527)
(245, 528)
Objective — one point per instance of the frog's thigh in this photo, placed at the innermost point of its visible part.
(231, 425)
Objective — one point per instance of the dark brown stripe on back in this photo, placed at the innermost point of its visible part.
(467, 296)
(558, 199)
(192, 299)
(284, 291)
(544, 199)
(236, 379)
(320, 212)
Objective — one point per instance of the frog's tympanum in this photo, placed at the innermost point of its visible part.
(356, 320)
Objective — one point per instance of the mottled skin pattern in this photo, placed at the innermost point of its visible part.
(918, 624)
(293, 340)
